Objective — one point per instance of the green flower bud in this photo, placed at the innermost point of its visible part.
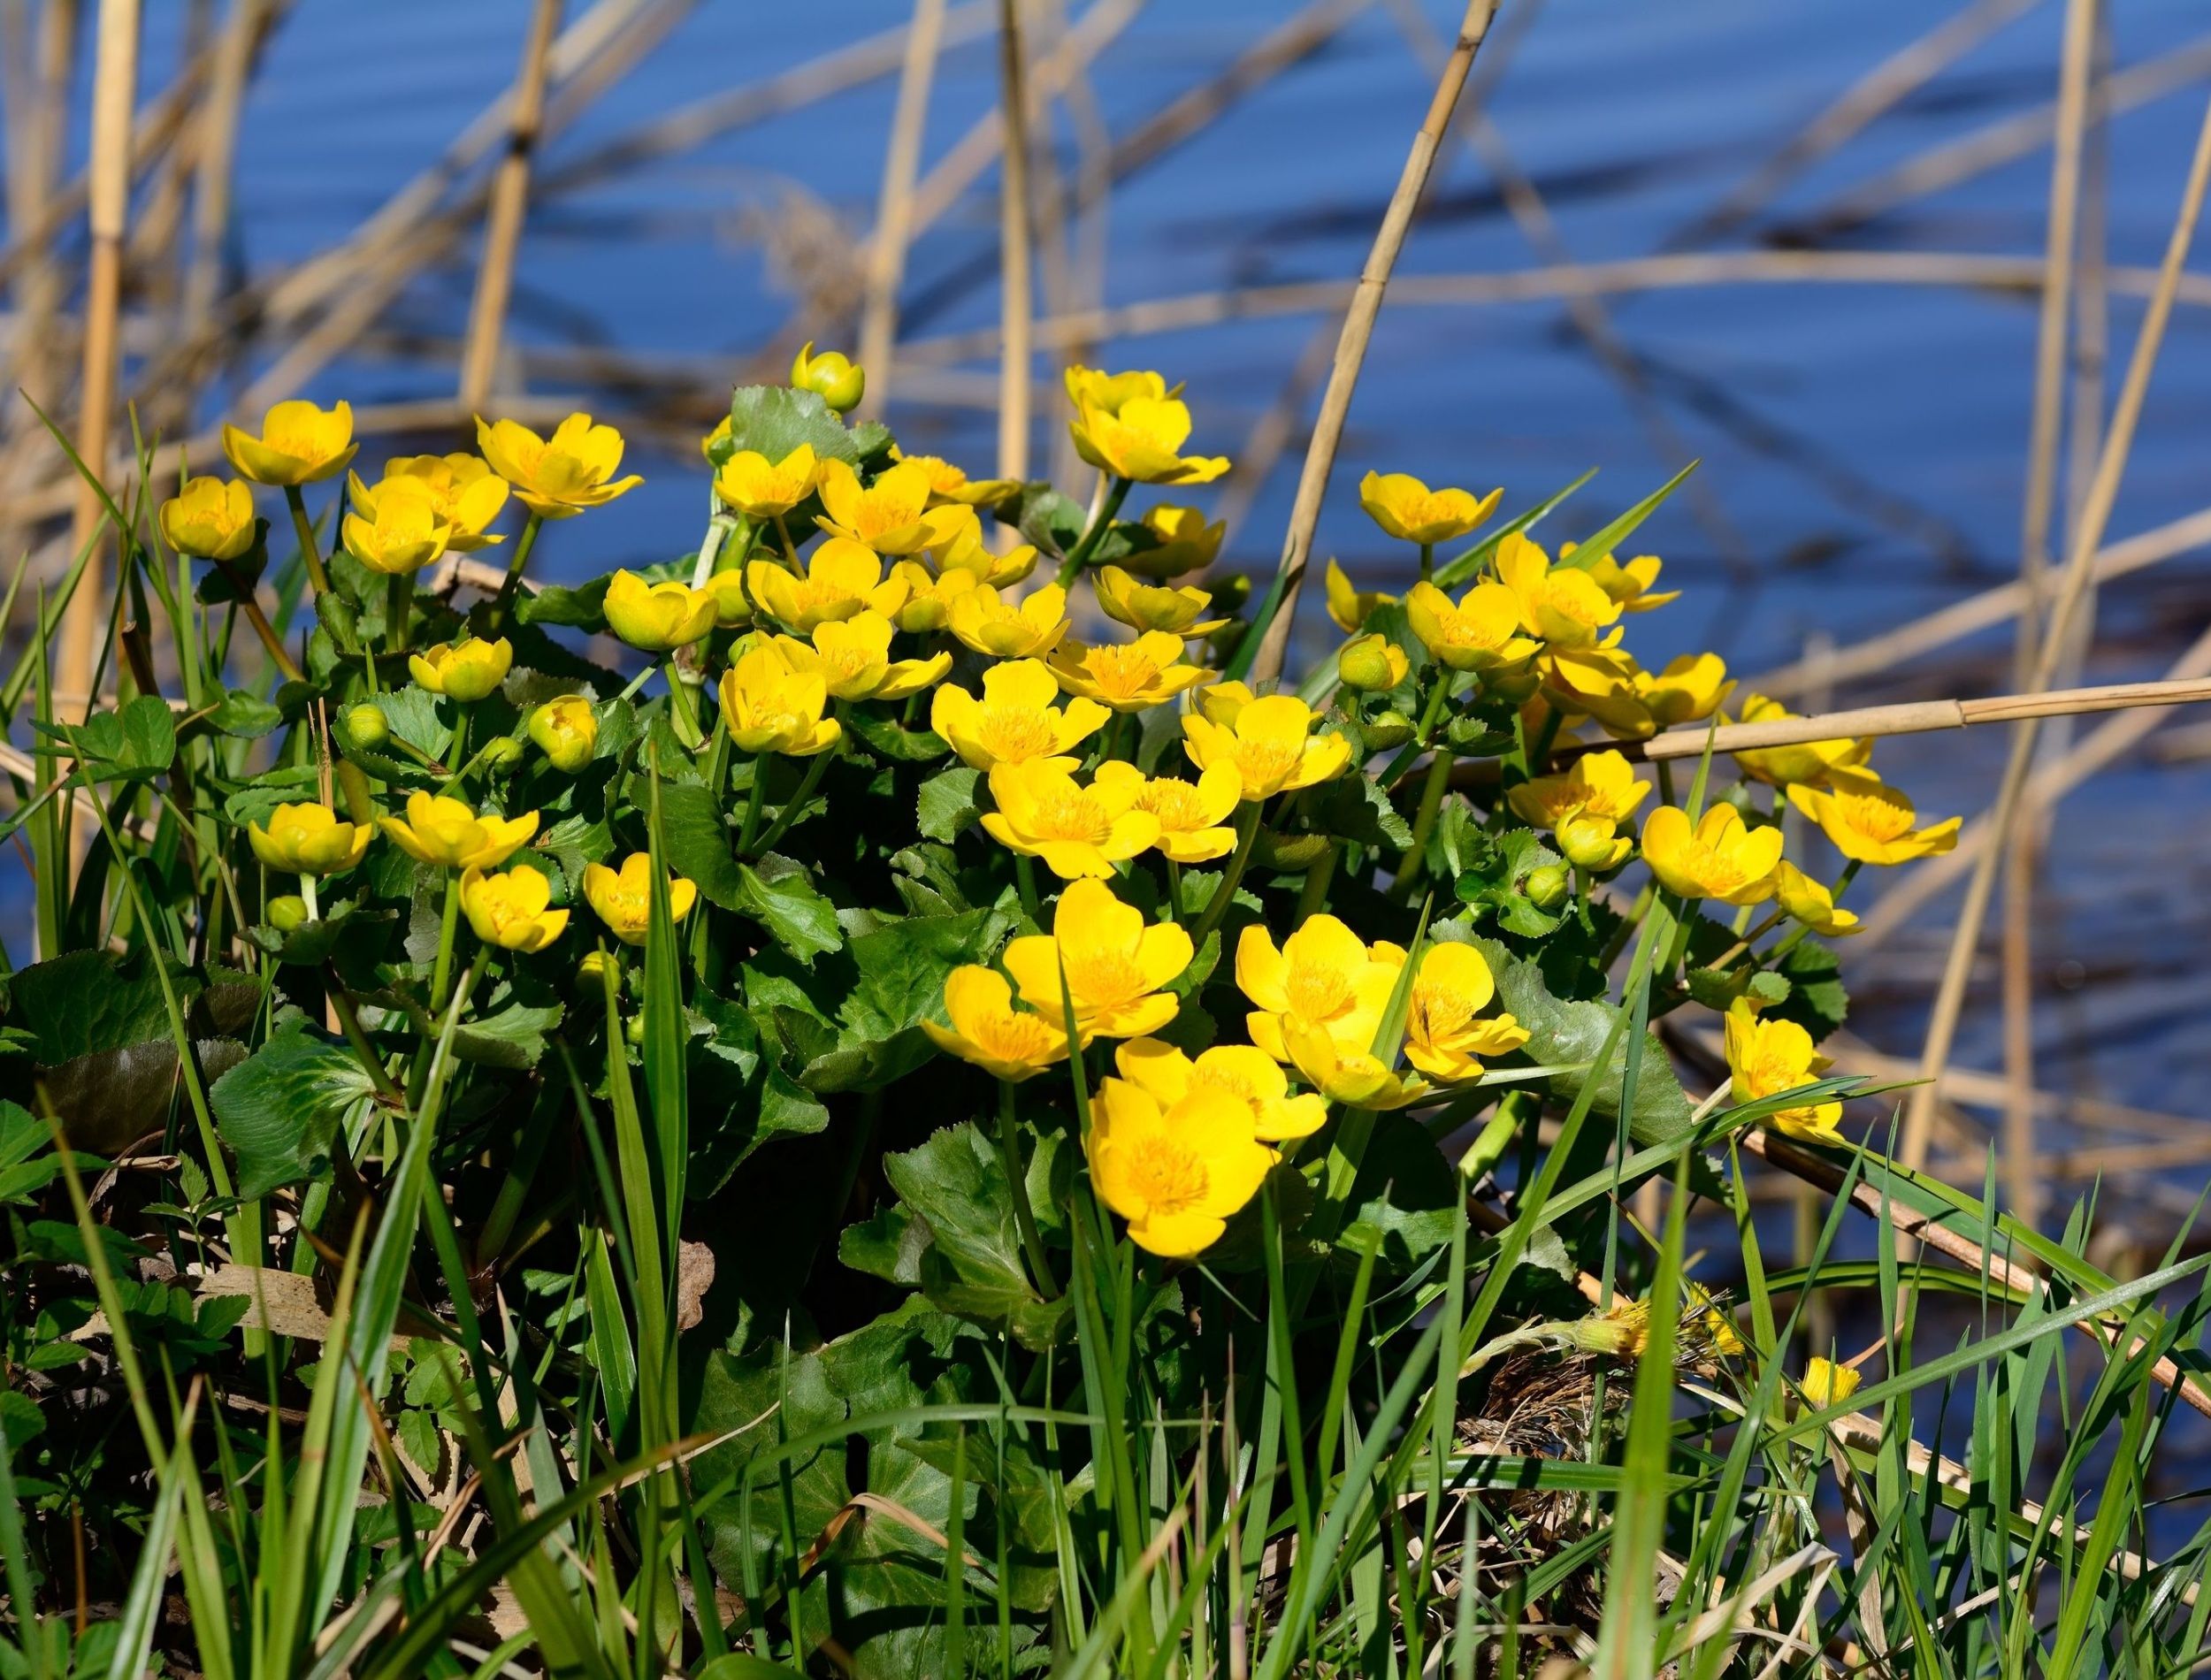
(502, 752)
(633, 1029)
(1387, 730)
(287, 913)
(1370, 664)
(836, 376)
(1547, 888)
(367, 725)
(595, 964)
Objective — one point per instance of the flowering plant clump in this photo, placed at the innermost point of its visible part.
(914, 912)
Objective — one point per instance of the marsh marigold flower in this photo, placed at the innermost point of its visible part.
(1370, 664)
(1719, 859)
(1871, 822)
(1808, 902)
(1828, 1384)
(1270, 745)
(927, 597)
(1480, 631)
(1115, 964)
(1142, 440)
(1129, 677)
(1322, 975)
(210, 519)
(1688, 691)
(1602, 783)
(885, 515)
(833, 375)
(463, 671)
(1153, 607)
(447, 835)
(1446, 1037)
(1110, 393)
(1243, 1071)
(308, 840)
(658, 618)
(1015, 720)
(988, 623)
(509, 910)
(624, 899)
(1175, 1173)
(852, 656)
(1631, 585)
(1590, 842)
(1175, 540)
(770, 707)
(1348, 605)
(987, 1030)
(557, 478)
(1194, 815)
(760, 488)
(300, 444)
(1767, 1058)
(955, 545)
(1410, 512)
(1804, 761)
(464, 489)
(1044, 812)
(840, 578)
(1561, 604)
(395, 528)
(950, 484)
(566, 731)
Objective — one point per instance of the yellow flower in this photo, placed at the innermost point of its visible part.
(566, 731)
(1079, 831)
(955, 544)
(732, 606)
(1193, 816)
(623, 901)
(658, 618)
(509, 911)
(464, 671)
(557, 478)
(1591, 842)
(1015, 720)
(1175, 1173)
(950, 484)
(447, 834)
(1243, 1071)
(885, 516)
(1090, 388)
(1370, 664)
(1811, 904)
(1323, 976)
(1602, 683)
(852, 657)
(1827, 1384)
(989, 624)
(1270, 745)
(987, 1030)
(1180, 540)
(1869, 820)
(1349, 606)
(1602, 783)
(1153, 607)
(1224, 702)
(1718, 1328)
(1410, 512)
(1444, 1039)
(1115, 963)
(210, 519)
(1770, 1057)
(1478, 633)
(1128, 676)
(1142, 440)
(1688, 691)
(300, 444)
(394, 528)
(842, 577)
(1719, 859)
(1806, 761)
(835, 377)
(770, 707)
(927, 604)
(308, 840)
(1343, 1069)
(1561, 604)
(466, 493)
(1630, 584)
(760, 488)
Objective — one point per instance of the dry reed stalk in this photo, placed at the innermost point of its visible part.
(215, 160)
(510, 208)
(1950, 997)
(894, 203)
(40, 283)
(1358, 328)
(1274, 431)
(1084, 228)
(1015, 305)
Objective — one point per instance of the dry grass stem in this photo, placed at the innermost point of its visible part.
(894, 203)
(1015, 301)
(509, 207)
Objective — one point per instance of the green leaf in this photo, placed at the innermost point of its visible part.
(972, 1267)
(149, 735)
(946, 808)
(28, 1163)
(280, 1110)
(246, 716)
(773, 420)
(583, 608)
(889, 1246)
(513, 1037)
(1817, 1001)
(887, 739)
(1494, 879)
(697, 841)
(781, 897)
(1600, 544)
(1406, 1193)
(1053, 521)
(1354, 807)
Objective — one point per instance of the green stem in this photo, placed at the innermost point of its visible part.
(1318, 879)
(1842, 883)
(1025, 878)
(753, 802)
(1430, 716)
(796, 803)
(1432, 793)
(399, 604)
(1217, 906)
(307, 897)
(1080, 556)
(441, 971)
(1174, 890)
(516, 561)
(687, 728)
(1427, 563)
(1024, 1215)
(305, 526)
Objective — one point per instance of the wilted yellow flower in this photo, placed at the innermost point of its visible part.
(657, 618)
(1768, 1057)
(1015, 720)
(464, 671)
(1828, 1384)
(950, 484)
(1153, 607)
(447, 834)
(1044, 812)
(1719, 859)
(1370, 664)
(559, 477)
(833, 375)
(1602, 783)
(1243, 1071)
(1270, 745)
(852, 656)
(1621, 1330)
(1410, 512)
(955, 544)
(509, 910)
(987, 1030)
(927, 599)
(623, 901)
(1128, 676)
(885, 515)
(1181, 541)
(1591, 842)
(1718, 1328)
(1869, 820)
(1194, 816)
(988, 623)
(395, 528)
(464, 489)
(1806, 761)
(308, 840)
(1349, 605)
(1630, 584)
(1090, 388)
(1561, 604)
(1480, 633)
(210, 519)
(1115, 963)
(770, 707)
(1808, 902)
(566, 731)
(760, 488)
(842, 577)
(1142, 440)
(1443, 1037)
(1175, 1173)
(300, 444)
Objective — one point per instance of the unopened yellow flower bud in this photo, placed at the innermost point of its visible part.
(287, 912)
(502, 752)
(1592, 842)
(839, 380)
(210, 519)
(566, 731)
(1370, 664)
(589, 973)
(463, 671)
(367, 725)
(1547, 888)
